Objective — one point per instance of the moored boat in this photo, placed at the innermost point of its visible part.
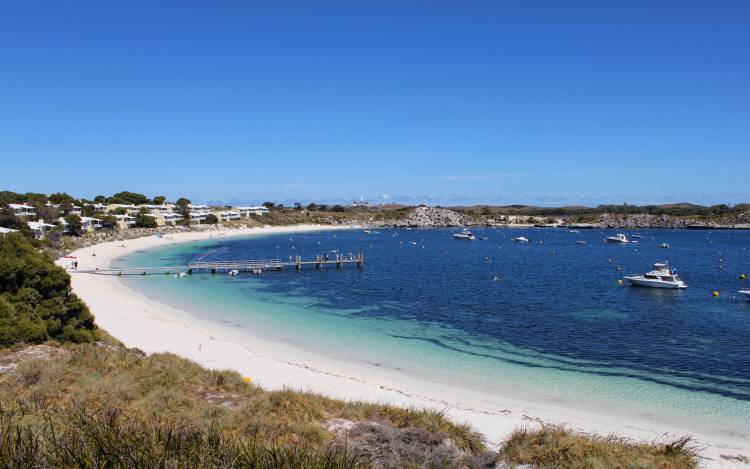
(660, 277)
(521, 239)
(618, 238)
(745, 293)
(465, 234)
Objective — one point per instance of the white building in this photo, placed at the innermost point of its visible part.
(125, 221)
(40, 229)
(167, 219)
(22, 210)
(5, 231)
(153, 208)
(229, 215)
(199, 212)
(130, 209)
(258, 210)
(87, 224)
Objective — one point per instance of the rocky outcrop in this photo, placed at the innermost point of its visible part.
(431, 217)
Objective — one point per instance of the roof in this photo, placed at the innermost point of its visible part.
(7, 230)
(20, 206)
(37, 225)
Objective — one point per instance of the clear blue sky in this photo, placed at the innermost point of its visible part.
(546, 102)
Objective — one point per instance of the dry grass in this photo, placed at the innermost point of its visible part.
(106, 390)
(556, 446)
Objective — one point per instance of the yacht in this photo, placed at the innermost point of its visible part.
(465, 234)
(660, 277)
(745, 293)
(520, 239)
(664, 245)
(618, 238)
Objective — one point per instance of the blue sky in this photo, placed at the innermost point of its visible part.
(542, 102)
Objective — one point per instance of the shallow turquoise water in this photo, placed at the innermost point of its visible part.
(556, 326)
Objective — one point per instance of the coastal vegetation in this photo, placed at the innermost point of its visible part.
(36, 301)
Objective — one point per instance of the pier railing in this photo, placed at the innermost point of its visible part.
(224, 266)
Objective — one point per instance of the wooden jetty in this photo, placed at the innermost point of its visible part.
(253, 266)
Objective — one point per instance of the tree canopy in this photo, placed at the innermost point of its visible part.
(36, 302)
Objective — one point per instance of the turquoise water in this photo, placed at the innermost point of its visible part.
(554, 327)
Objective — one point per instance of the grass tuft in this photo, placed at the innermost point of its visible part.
(557, 446)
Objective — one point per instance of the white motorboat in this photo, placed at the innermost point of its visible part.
(180, 275)
(233, 273)
(520, 239)
(665, 246)
(636, 236)
(465, 234)
(618, 238)
(581, 242)
(573, 231)
(660, 277)
(366, 231)
(745, 293)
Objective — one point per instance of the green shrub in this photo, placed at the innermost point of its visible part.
(36, 303)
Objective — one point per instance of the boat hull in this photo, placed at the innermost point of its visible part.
(745, 293)
(643, 282)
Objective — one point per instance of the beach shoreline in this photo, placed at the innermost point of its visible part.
(142, 322)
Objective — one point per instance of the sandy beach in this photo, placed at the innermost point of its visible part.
(154, 327)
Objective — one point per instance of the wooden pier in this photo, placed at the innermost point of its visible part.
(252, 266)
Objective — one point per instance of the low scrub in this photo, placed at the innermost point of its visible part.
(556, 446)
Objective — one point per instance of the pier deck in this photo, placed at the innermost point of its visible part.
(254, 266)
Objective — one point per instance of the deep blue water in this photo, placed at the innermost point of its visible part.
(555, 317)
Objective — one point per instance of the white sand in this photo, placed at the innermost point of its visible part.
(153, 327)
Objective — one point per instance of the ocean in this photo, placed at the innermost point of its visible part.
(545, 320)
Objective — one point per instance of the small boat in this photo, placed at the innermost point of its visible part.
(465, 234)
(635, 236)
(745, 293)
(660, 277)
(520, 239)
(366, 231)
(484, 238)
(573, 231)
(581, 242)
(180, 275)
(665, 246)
(618, 238)
(233, 273)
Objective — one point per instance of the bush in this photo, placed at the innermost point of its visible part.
(75, 227)
(211, 219)
(36, 302)
(145, 221)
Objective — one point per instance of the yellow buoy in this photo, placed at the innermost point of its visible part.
(716, 293)
(619, 281)
(247, 379)
(743, 276)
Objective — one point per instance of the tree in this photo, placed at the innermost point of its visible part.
(47, 213)
(211, 219)
(36, 301)
(108, 221)
(9, 220)
(269, 205)
(144, 221)
(159, 199)
(75, 227)
(100, 199)
(323, 207)
(60, 197)
(88, 210)
(183, 208)
(337, 208)
(312, 206)
(298, 206)
(126, 197)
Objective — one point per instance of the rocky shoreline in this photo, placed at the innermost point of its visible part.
(437, 217)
